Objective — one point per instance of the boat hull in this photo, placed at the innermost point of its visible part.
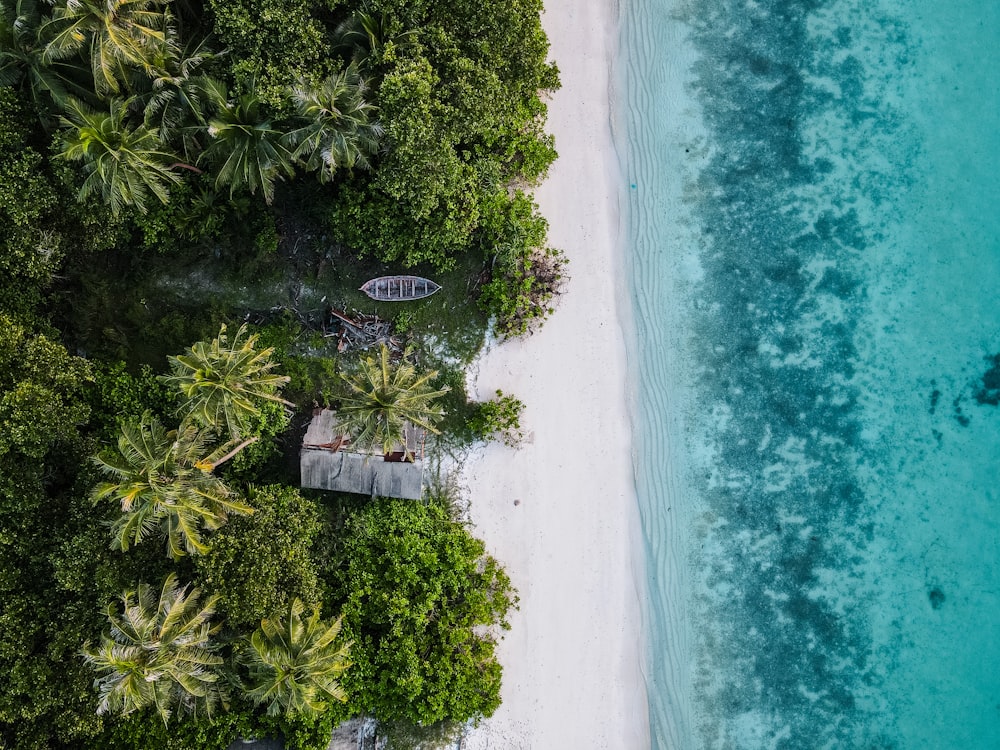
(399, 288)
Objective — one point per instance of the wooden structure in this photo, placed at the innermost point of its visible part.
(399, 288)
(360, 332)
(328, 462)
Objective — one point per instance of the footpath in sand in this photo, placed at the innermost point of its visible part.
(560, 513)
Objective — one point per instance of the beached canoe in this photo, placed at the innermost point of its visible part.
(399, 288)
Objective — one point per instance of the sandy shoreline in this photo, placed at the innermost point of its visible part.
(573, 660)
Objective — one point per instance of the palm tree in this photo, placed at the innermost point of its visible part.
(159, 653)
(295, 664)
(179, 101)
(223, 383)
(164, 483)
(249, 152)
(365, 34)
(120, 34)
(22, 58)
(122, 163)
(338, 130)
(383, 397)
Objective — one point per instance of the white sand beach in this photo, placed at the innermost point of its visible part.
(573, 660)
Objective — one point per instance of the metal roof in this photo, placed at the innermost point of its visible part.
(327, 466)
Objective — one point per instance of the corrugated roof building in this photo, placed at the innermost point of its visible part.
(327, 462)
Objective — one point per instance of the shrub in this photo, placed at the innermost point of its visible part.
(257, 563)
(521, 288)
(499, 419)
(421, 600)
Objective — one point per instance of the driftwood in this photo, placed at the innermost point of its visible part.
(339, 442)
(362, 332)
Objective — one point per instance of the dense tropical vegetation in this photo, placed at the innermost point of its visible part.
(186, 187)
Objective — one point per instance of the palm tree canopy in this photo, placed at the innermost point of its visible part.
(159, 652)
(338, 130)
(248, 151)
(366, 33)
(119, 33)
(179, 100)
(223, 383)
(295, 663)
(383, 396)
(22, 57)
(164, 484)
(122, 163)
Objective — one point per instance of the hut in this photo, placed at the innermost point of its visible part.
(328, 461)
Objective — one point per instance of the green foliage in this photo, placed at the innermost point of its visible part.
(525, 274)
(423, 170)
(338, 129)
(312, 377)
(23, 62)
(143, 731)
(382, 398)
(45, 691)
(160, 653)
(253, 461)
(117, 35)
(520, 291)
(246, 148)
(499, 419)
(26, 197)
(179, 101)
(118, 394)
(38, 225)
(272, 44)
(196, 215)
(258, 563)
(459, 102)
(458, 409)
(164, 484)
(224, 383)
(124, 164)
(421, 600)
(41, 393)
(294, 663)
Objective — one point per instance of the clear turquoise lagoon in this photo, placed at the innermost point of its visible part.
(813, 208)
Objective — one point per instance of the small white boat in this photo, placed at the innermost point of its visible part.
(399, 288)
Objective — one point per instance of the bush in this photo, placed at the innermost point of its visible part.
(499, 419)
(258, 563)
(271, 43)
(146, 730)
(119, 394)
(520, 290)
(421, 600)
(251, 462)
(525, 275)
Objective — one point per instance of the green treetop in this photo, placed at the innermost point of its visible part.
(164, 483)
(159, 652)
(382, 397)
(295, 663)
(224, 382)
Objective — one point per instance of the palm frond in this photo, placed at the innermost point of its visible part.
(295, 664)
(158, 653)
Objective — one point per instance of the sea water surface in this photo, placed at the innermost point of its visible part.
(813, 207)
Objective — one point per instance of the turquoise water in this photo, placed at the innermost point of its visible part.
(814, 256)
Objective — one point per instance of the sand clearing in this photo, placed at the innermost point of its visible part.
(561, 512)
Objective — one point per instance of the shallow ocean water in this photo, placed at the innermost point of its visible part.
(814, 254)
